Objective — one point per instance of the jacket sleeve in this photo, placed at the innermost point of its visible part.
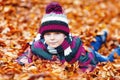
(25, 58)
(87, 61)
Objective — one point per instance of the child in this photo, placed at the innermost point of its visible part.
(54, 39)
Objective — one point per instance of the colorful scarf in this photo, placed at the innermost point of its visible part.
(66, 51)
(71, 50)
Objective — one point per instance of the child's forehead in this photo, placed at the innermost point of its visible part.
(54, 32)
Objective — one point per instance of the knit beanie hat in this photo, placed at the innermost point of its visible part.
(54, 20)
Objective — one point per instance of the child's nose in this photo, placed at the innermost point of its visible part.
(52, 37)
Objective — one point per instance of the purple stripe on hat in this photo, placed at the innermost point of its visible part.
(79, 53)
(54, 27)
(38, 44)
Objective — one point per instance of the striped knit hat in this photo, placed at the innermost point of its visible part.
(54, 20)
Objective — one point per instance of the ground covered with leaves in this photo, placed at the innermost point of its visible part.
(19, 22)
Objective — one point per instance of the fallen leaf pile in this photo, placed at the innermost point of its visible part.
(19, 23)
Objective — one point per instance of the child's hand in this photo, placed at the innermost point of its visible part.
(24, 60)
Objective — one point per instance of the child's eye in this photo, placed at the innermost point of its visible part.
(57, 33)
(47, 33)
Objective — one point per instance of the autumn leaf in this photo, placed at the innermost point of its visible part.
(19, 23)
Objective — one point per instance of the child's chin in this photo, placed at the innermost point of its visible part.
(54, 46)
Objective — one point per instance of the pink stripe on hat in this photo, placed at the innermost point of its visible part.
(50, 28)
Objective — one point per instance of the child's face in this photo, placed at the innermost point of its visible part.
(54, 39)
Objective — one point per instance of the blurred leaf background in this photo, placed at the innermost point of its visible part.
(19, 23)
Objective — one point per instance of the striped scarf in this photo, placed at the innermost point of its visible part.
(67, 51)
